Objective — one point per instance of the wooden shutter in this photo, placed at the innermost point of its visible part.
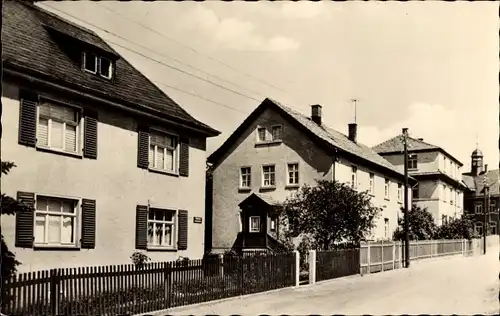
(141, 227)
(24, 220)
(88, 224)
(182, 238)
(184, 157)
(90, 136)
(143, 149)
(27, 119)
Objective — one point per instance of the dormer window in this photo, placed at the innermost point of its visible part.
(97, 65)
(90, 62)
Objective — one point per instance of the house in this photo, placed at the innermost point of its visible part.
(109, 162)
(476, 179)
(275, 151)
(440, 188)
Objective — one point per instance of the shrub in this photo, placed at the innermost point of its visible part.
(139, 259)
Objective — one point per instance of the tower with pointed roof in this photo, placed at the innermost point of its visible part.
(476, 162)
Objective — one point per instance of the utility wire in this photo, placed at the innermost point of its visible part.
(176, 88)
(195, 50)
(153, 59)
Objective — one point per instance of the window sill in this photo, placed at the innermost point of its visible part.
(400, 202)
(59, 152)
(268, 143)
(161, 249)
(387, 199)
(56, 247)
(165, 172)
(292, 186)
(371, 194)
(244, 189)
(267, 188)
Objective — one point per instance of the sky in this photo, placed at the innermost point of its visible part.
(431, 67)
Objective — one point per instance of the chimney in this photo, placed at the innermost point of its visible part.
(316, 113)
(353, 131)
(485, 168)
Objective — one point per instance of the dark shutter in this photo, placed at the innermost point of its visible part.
(182, 240)
(141, 227)
(90, 136)
(184, 157)
(27, 119)
(24, 220)
(88, 224)
(143, 149)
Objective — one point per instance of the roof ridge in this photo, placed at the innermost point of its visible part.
(422, 141)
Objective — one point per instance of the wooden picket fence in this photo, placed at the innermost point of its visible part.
(125, 289)
(336, 263)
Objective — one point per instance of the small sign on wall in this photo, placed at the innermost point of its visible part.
(197, 220)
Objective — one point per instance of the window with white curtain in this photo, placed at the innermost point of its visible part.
(55, 221)
(58, 127)
(163, 151)
(161, 225)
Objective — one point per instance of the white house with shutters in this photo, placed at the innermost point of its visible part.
(104, 158)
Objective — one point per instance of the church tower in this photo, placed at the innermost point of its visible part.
(476, 162)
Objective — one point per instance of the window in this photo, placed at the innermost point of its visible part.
(493, 228)
(415, 192)
(479, 228)
(161, 228)
(268, 176)
(58, 127)
(444, 163)
(273, 224)
(451, 196)
(254, 224)
(354, 177)
(97, 64)
(478, 207)
(387, 188)
(261, 131)
(293, 173)
(245, 177)
(276, 132)
(493, 206)
(444, 219)
(105, 68)
(412, 161)
(162, 151)
(55, 221)
(400, 192)
(372, 183)
(90, 62)
(445, 191)
(386, 227)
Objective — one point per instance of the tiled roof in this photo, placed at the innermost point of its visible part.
(266, 198)
(492, 179)
(469, 181)
(27, 44)
(338, 139)
(396, 145)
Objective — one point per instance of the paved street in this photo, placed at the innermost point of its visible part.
(455, 285)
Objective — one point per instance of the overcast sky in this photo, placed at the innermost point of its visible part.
(432, 67)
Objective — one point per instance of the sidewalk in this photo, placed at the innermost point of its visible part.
(454, 285)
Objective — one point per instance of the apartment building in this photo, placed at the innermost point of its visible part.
(271, 154)
(104, 157)
(440, 188)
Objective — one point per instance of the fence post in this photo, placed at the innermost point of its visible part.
(312, 266)
(297, 268)
(393, 255)
(54, 291)
(221, 266)
(382, 256)
(368, 259)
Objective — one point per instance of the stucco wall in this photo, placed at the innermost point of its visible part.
(113, 180)
(314, 163)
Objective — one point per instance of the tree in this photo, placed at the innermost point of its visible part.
(329, 212)
(421, 225)
(456, 228)
(9, 207)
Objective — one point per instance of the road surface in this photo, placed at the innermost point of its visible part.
(453, 285)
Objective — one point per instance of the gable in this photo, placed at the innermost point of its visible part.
(30, 47)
